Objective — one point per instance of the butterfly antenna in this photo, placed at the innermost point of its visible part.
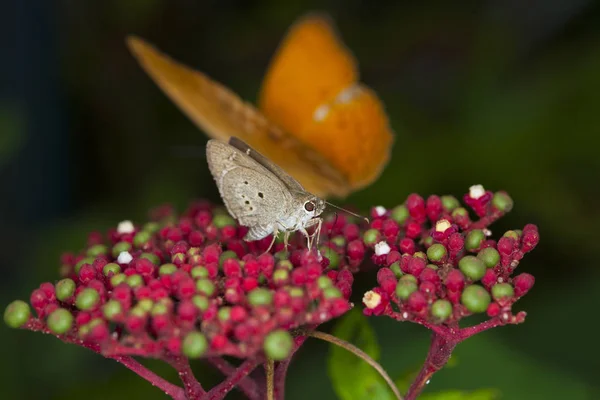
(347, 211)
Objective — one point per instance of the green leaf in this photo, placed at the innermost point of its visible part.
(352, 378)
(481, 394)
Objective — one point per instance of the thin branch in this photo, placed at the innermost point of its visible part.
(247, 385)
(270, 374)
(358, 352)
(218, 392)
(193, 388)
(176, 392)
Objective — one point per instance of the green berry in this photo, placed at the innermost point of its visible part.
(225, 256)
(428, 241)
(16, 314)
(400, 214)
(502, 201)
(278, 345)
(199, 271)
(145, 304)
(420, 254)
(296, 292)
(97, 250)
(449, 203)
(332, 255)
(152, 257)
(441, 310)
(194, 345)
(87, 299)
(222, 220)
(60, 321)
(436, 252)
(151, 227)
(474, 239)
(475, 298)
(432, 266)
(371, 236)
(502, 291)
(117, 279)
(460, 212)
(111, 309)
(205, 286)
(260, 297)
(224, 314)
(324, 282)
(167, 269)
(135, 280)
(409, 278)
(65, 289)
(285, 264)
(120, 247)
(201, 302)
(281, 255)
(159, 309)
(512, 234)
(86, 260)
(113, 268)
(141, 238)
(339, 241)
(332, 293)
(280, 276)
(472, 267)
(489, 256)
(405, 288)
(395, 267)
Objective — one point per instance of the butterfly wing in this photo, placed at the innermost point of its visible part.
(250, 192)
(290, 182)
(221, 114)
(311, 91)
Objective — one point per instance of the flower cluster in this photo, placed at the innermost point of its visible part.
(188, 285)
(438, 265)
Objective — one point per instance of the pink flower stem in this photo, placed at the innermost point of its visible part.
(174, 391)
(440, 350)
(247, 385)
(443, 342)
(193, 388)
(281, 370)
(218, 392)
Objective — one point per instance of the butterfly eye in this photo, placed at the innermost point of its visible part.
(309, 206)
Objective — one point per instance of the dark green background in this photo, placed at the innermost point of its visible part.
(502, 93)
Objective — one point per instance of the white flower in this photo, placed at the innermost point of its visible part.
(371, 299)
(476, 191)
(380, 211)
(442, 225)
(382, 248)
(124, 257)
(125, 227)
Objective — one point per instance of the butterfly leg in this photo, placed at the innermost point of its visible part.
(305, 233)
(286, 238)
(275, 232)
(317, 232)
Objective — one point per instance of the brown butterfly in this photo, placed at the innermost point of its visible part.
(315, 120)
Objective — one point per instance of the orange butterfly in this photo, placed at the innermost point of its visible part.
(315, 120)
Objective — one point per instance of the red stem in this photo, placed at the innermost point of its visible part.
(193, 388)
(281, 370)
(174, 391)
(247, 385)
(218, 392)
(439, 353)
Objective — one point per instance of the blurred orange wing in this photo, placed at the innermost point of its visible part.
(221, 114)
(311, 91)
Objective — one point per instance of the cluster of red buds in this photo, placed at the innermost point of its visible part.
(439, 266)
(190, 286)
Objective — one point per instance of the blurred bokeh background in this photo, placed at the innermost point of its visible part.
(505, 93)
